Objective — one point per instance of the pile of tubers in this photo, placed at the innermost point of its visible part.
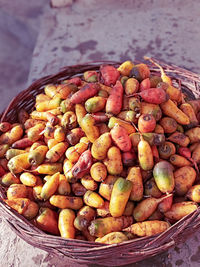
(108, 156)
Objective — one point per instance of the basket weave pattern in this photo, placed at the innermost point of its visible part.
(84, 251)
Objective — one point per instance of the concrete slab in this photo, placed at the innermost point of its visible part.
(92, 30)
(19, 27)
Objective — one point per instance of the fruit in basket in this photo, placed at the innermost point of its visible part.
(112, 238)
(37, 155)
(170, 109)
(146, 123)
(50, 186)
(89, 128)
(189, 111)
(56, 152)
(19, 163)
(98, 171)
(194, 193)
(193, 134)
(154, 96)
(100, 146)
(84, 93)
(49, 168)
(146, 208)
(131, 86)
(145, 155)
(120, 138)
(152, 109)
(5, 126)
(113, 161)
(101, 227)
(29, 179)
(95, 104)
(140, 72)
(65, 223)
(84, 217)
(184, 178)
(114, 101)
(24, 206)
(109, 75)
(164, 176)
(65, 202)
(113, 120)
(93, 199)
(179, 161)
(169, 124)
(179, 210)
(148, 228)
(196, 154)
(119, 197)
(166, 150)
(47, 220)
(125, 68)
(17, 191)
(135, 176)
(102, 151)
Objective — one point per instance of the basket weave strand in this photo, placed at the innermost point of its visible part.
(90, 252)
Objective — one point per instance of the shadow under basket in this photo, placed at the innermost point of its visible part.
(85, 252)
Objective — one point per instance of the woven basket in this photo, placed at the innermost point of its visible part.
(86, 252)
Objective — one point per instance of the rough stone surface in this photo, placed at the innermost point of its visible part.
(19, 26)
(92, 30)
